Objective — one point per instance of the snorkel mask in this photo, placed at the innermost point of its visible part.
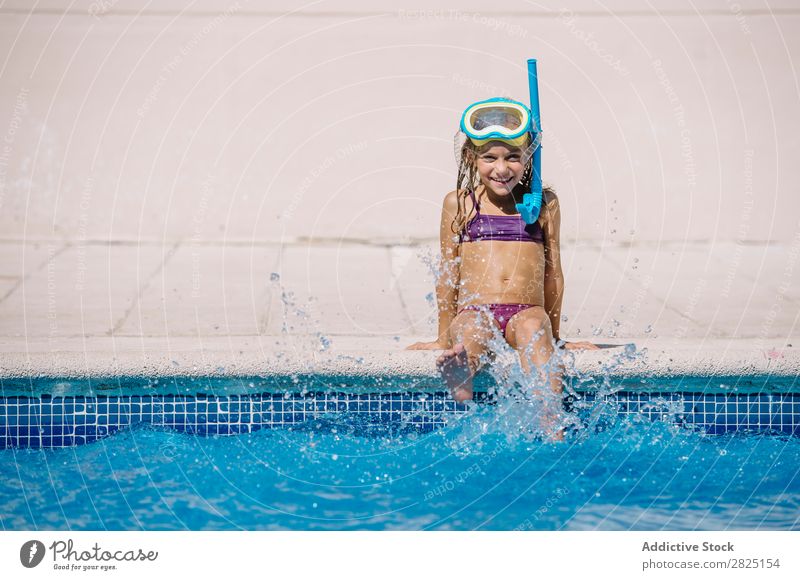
(497, 119)
(511, 122)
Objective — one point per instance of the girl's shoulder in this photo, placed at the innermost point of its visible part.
(549, 198)
(451, 198)
(550, 206)
(456, 193)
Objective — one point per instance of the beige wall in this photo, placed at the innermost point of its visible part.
(236, 121)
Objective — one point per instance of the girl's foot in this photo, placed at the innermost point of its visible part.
(454, 367)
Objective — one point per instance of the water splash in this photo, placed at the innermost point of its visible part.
(324, 342)
(524, 405)
(527, 406)
(301, 339)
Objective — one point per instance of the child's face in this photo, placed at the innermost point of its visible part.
(500, 167)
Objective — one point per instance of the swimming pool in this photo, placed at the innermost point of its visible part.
(685, 453)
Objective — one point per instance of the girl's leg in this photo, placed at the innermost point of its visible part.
(470, 333)
(530, 334)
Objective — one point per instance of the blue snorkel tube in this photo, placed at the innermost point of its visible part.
(532, 202)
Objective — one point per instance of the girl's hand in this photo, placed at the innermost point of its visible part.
(435, 345)
(582, 345)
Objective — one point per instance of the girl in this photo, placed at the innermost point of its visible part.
(499, 274)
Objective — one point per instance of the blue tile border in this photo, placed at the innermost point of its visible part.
(719, 413)
(54, 421)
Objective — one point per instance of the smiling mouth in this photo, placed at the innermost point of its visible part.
(501, 181)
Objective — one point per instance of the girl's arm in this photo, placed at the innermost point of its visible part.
(553, 276)
(447, 282)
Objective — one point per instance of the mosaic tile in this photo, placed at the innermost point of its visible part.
(67, 421)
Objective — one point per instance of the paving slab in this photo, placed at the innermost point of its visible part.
(19, 259)
(338, 290)
(600, 301)
(714, 297)
(82, 291)
(413, 272)
(206, 291)
(772, 266)
(8, 285)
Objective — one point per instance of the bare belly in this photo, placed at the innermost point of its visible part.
(495, 272)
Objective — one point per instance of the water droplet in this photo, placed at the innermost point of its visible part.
(324, 343)
(274, 277)
(429, 298)
(649, 329)
(335, 457)
(564, 318)
(597, 331)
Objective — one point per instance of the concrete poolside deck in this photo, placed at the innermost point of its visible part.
(99, 309)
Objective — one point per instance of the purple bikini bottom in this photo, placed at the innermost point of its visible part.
(502, 312)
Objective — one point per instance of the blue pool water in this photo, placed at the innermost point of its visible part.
(472, 473)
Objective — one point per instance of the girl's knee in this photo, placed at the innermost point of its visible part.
(535, 326)
(461, 395)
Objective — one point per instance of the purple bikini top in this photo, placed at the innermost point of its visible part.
(504, 228)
